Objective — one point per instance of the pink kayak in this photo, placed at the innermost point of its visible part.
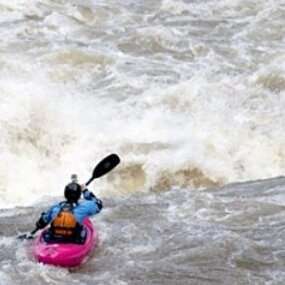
(65, 254)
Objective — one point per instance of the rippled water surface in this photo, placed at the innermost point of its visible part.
(228, 235)
(190, 94)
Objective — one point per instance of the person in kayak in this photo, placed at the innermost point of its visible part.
(65, 218)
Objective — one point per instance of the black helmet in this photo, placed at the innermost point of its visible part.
(72, 192)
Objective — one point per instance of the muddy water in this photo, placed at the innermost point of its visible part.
(189, 94)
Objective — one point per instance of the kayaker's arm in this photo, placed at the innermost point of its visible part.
(88, 195)
(41, 222)
(46, 217)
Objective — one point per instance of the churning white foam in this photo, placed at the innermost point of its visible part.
(186, 110)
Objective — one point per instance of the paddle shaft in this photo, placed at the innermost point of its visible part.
(90, 180)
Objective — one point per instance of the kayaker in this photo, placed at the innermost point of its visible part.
(66, 217)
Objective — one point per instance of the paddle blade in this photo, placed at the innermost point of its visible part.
(25, 236)
(104, 166)
(29, 235)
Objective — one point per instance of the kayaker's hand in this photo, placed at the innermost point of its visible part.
(83, 187)
(40, 224)
(88, 195)
(99, 204)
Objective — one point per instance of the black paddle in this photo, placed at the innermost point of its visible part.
(103, 167)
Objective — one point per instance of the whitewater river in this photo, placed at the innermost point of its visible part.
(190, 94)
